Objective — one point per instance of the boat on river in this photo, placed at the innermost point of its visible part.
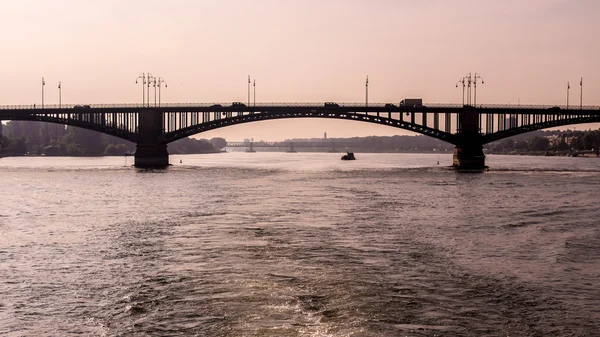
(349, 156)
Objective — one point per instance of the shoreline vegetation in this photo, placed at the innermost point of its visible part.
(23, 138)
(27, 138)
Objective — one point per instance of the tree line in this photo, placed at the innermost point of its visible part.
(28, 137)
(534, 142)
(548, 141)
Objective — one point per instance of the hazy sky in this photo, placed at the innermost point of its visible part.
(300, 51)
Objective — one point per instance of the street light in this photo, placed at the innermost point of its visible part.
(59, 95)
(154, 79)
(581, 94)
(367, 92)
(477, 76)
(149, 77)
(143, 77)
(254, 86)
(462, 80)
(248, 90)
(159, 82)
(43, 84)
(568, 88)
(469, 79)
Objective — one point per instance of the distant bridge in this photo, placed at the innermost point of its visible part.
(153, 127)
(293, 145)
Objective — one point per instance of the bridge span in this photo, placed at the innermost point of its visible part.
(153, 127)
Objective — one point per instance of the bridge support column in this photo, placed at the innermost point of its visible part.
(468, 153)
(469, 157)
(151, 151)
(1, 138)
(151, 156)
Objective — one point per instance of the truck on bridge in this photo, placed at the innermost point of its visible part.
(414, 102)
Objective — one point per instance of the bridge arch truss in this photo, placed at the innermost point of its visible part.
(184, 124)
(122, 124)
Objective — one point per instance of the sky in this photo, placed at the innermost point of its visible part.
(300, 51)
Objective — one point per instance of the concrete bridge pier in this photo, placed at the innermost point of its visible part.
(151, 156)
(151, 150)
(468, 153)
(469, 157)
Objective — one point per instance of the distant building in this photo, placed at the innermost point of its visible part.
(554, 139)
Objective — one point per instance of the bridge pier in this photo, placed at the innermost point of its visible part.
(468, 152)
(151, 150)
(1, 149)
(469, 157)
(151, 156)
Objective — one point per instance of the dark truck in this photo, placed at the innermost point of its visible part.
(414, 102)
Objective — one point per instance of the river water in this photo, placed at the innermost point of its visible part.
(299, 244)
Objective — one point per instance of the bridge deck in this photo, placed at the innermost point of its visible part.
(175, 121)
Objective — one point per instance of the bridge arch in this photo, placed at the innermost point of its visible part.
(498, 135)
(265, 116)
(89, 125)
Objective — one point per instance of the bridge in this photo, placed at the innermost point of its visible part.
(293, 145)
(468, 128)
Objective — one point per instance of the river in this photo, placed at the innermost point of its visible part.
(299, 244)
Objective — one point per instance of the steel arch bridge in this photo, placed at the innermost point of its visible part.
(153, 127)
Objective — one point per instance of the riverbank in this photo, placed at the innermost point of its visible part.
(587, 154)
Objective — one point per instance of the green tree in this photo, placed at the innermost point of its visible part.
(15, 146)
(562, 146)
(218, 143)
(521, 145)
(115, 150)
(3, 143)
(591, 140)
(539, 144)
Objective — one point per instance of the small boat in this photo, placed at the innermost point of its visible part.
(348, 156)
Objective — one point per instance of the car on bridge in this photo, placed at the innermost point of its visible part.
(390, 105)
(555, 108)
(331, 105)
(82, 107)
(238, 104)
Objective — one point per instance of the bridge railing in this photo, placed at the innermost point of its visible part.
(289, 104)
(184, 105)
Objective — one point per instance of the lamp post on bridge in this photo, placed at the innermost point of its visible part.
(367, 92)
(568, 88)
(254, 86)
(159, 82)
(43, 84)
(469, 79)
(149, 77)
(154, 79)
(248, 90)
(59, 95)
(143, 77)
(462, 80)
(581, 94)
(477, 76)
